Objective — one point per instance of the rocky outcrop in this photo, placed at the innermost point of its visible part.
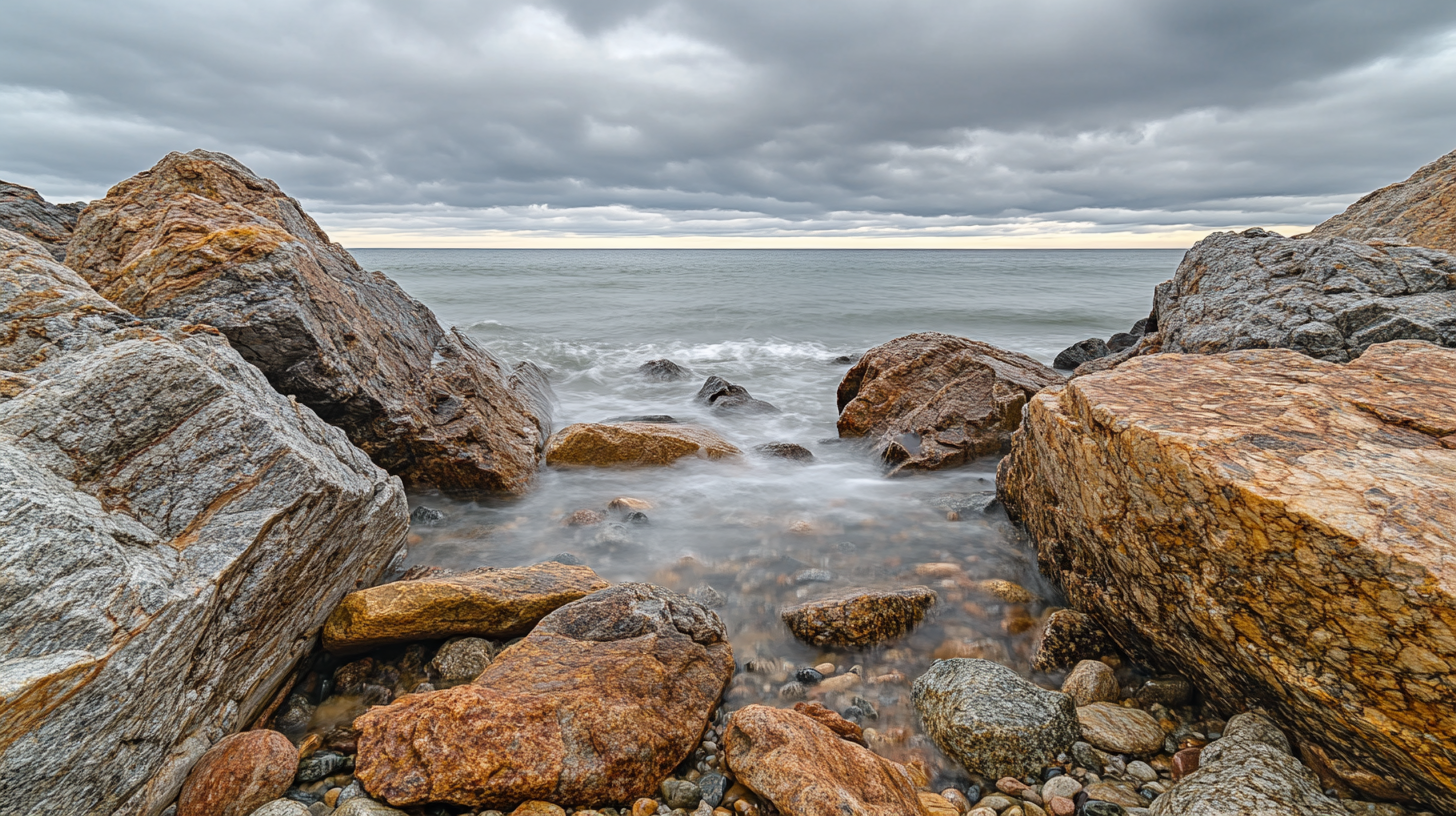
(596, 706)
(1420, 210)
(858, 617)
(806, 769)
(23, 211)
(488, 603)
(930, 401)
(633, 443)
(239, 774)
(1277, 528)
(201, 238)
(175, 534)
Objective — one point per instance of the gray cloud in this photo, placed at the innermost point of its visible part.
(936, 117)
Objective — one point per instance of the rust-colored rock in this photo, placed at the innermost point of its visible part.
(201, 238)
(596, 706)
(1420, 210)
(841, 727)
(859, 617)
(488, 603)
(805, 769)
(23, 211)
(633, 443)
(932, 401)
(1277, 528)
(1066, 638)
(239, 774)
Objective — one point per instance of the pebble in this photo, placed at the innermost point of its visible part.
(809, 677)
(625, 503)
(982, 811)
(1143, 771)
(995, 802)
(839, 682)
(1100, 808)
(1087, 757)
(644, 807)
(825, 669)
(956, 798)
(1170, 690)
(584, 518)
(680, 794)
(1185, 762)
(319, 809)
(1061, 806)
(1091, 681)
(712, 787)
(1063, 786)
(538, 809)
(1010, 785)
(793, 690)
(1032, 809)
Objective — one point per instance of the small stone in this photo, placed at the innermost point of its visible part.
(584, 518)
(427, 517)
(1185, 762)
(1142, 771)
(364, 806)
(320, 765)
(623, 504)
(707, 596)
(1032, 809)
(839, 682)
(996, 802)
(1096, 807)
(1169, 690)
(955, 797)
(1010, 785)
(662, 370)
(282, 807)
(1087, 757)
(1091, 681)
(809, 677)
(712, 787)
(1014, 810)
(538, 809)
(680, 794)
(825, 669)
(239, 774)
(1118, 792)
(859, 617)
(1063, 786)
(982, 811)
(1061, 806)
(793, 690)
(319, 809)
(310, 743)
(462, 659)
(785, 450)
(644, 807)
(937, 805)
(1120, 730)
(1003, 590)
(353, 790)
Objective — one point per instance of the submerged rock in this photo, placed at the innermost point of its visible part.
(858, 617)
(932, 401)
(785, 450)
(725, 397)
(23, 211)
(200, 238)
(1420, 210)
(238, 775)
(598, 704)
(663, 371)
(1282, 534)
(633, 443)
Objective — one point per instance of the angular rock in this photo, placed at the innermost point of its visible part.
(1120, 730)
(1067, 637)
(23, 211)
(199, 237)
(597, 705)
(984, 716)
(1080, 352)
(930, 401)
(662, 371)
(842, 728)
(858, 617)
(1092, 681)
(461, 659)
(1247, 772)
(633, 443)
(1420, 210)
(484, 603)
(175, 533)
(805, 769)
(238, 775)
(1278, 529)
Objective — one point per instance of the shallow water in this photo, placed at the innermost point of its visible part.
(763, 532)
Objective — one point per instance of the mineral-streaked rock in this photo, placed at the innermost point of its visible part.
(23, 211)
(805, 769)
(175, 534)
(1066, 637)
(238, 775)
(932, 401)
(858, 617)
(201, 238)
(1120, 730)
(1420, 210)
(597, 705)
(1092, 681)
(1248, 772)
(1277, 528)
(633, 443)
(488, 603)
(984, 716)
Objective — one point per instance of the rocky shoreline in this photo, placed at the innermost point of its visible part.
(210, 414)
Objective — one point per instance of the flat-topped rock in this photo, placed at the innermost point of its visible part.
(1277, 528)
(1420, 210)
(23, 211)
(633, 443)
(858, 617)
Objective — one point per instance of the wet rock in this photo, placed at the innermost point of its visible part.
(544, 721)
(842, 728)
(937, 805)
(1323, 475)
(805, 769)
(990, 720)
(716, 387)
(858, 617)
(1418, 210)
(1185, 762)
(662, 371)
(707, 596)
(538, 809)
(488, 603)
(427, 517)
(785, 450)
(1248, 771)
(1120, 793)
(23, 211)
(1064, 786)
(1092, 681)
(931, 401)
(1120, 730)
(1122, 340)
(175, 530)
(633, 443)
(281, 807)
(462, 659)
(583, 518)
(964, 504)
(320, 765)
(678, 793)
(1080, 352)
(1066, 637)
(202, 239)
(654, 419)
(1168, 690)
(1097, 807)
(712, 786)
(239, 774)
(364, 806)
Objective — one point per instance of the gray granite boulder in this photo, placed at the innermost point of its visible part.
(23, 211)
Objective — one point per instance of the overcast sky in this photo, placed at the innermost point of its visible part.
(738, 122)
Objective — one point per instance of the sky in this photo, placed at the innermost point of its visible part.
(780, 123)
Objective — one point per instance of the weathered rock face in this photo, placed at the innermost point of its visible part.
(23, 211)
(1277, 528)
(1250, 770)
(201, 238)
(932, 401)
(175, 534)
(1420, 210)
(805, 769)
(633, 443)
(239, 774)
(858, 617)
(596, 706)
(1067, 637)
(489, 603)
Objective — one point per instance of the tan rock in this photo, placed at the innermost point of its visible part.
(487, 603)
(1066, 637)
(842, 728)
(238, 775)
(858, 617)
(1003, 590)
(1281, 530)
(805, 769)
(597, 705)
(626, 503)
(633, 443)
(1091, 681)
(933, 401)
(200, 238)
(1120, 730)
(538, 809)
(1420, 210)
(1117, 792)
(937, 805)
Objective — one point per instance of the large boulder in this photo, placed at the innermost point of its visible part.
(23, 211)
(596, 706)
(489, 603)
(858, 617)
(930, 401)
(175, 534)
(239, 774)
(201, 238)
(1420, 210)
(1277, 528)
(803, 766)
(633, 443)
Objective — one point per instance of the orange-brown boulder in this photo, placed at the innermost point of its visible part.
(488, 603)
(633, 443)
(1420, 210)
(200, 238)
(932, 401)
(596, 706)
(805, 769)
(858, 617)
(238, 775)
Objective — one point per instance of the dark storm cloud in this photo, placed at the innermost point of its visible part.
(751, 117)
